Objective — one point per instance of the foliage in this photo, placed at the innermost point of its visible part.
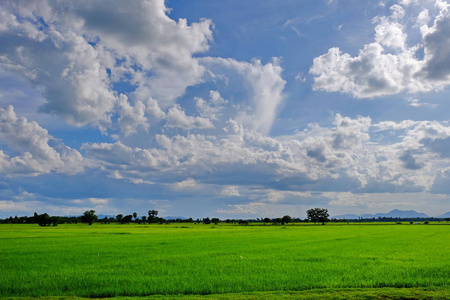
(89, 217)
(152, 216)
(267, 220)
(318, 215)
(286, 219)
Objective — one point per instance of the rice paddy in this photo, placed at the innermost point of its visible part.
(196, 259)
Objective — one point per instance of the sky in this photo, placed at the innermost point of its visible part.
(229, 109)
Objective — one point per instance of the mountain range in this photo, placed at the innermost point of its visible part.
(392, 214)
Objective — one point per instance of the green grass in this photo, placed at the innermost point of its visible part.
(139, 260)
(323, 294)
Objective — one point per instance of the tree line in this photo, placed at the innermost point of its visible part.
(316, 215)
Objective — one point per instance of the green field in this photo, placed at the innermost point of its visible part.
(180, 259)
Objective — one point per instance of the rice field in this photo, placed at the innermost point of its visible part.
(196, 259)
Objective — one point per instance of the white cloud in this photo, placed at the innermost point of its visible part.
(75, 59)
(176, 117)
(34, 155)
(266, 84)
(414, 102)
(408, 2)
(423, 18)
(390, 35)
(188, 184)
(131, 117)
(300, 77)
(230, 191)
(99, 201)
(376, 72)
(210, 109)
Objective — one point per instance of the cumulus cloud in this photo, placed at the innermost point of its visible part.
(437, 41)
(76, 57)
(176, 117)
(266, 85)
(33, 150)
(210, 109)
(341, 156)
(131, 117)
(388, 66)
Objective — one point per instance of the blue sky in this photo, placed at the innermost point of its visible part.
(229, 109)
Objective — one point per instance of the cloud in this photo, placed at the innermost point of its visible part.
(176, 117)
(188, 184)
(317, 158)
(99, 201)
(33, 150)
(436, 40)
(132, 117)
(388, 66)
(416, 103)
(77, 52)
(210, 109)
(230, 191)
(259, 209)
(266, 88)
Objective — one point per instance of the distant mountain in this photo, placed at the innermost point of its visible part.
(102, 216)
(396, 214)
(392, 214)
(446, 215)
(347, 216)
(174, 218)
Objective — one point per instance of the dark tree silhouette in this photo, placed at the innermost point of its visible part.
(89, 217)
(42, 219)
(127, 219)
(152, 216)
(286, 219)
(318, 215)
(119, 218)
(215, 220)
(135, 215)
(267, 220)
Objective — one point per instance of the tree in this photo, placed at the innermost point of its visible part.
(286, 219)
(243, 222)
(135, 215)
(267, 220)
(42, 219)
(152, 216)
(55, 220)
(89, 217)
(126, 219)
(215, 220)
(318, 215)
(119, 218)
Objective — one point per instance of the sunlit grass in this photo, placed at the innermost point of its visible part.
(139, 260)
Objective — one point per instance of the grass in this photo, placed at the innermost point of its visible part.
(140, 260)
